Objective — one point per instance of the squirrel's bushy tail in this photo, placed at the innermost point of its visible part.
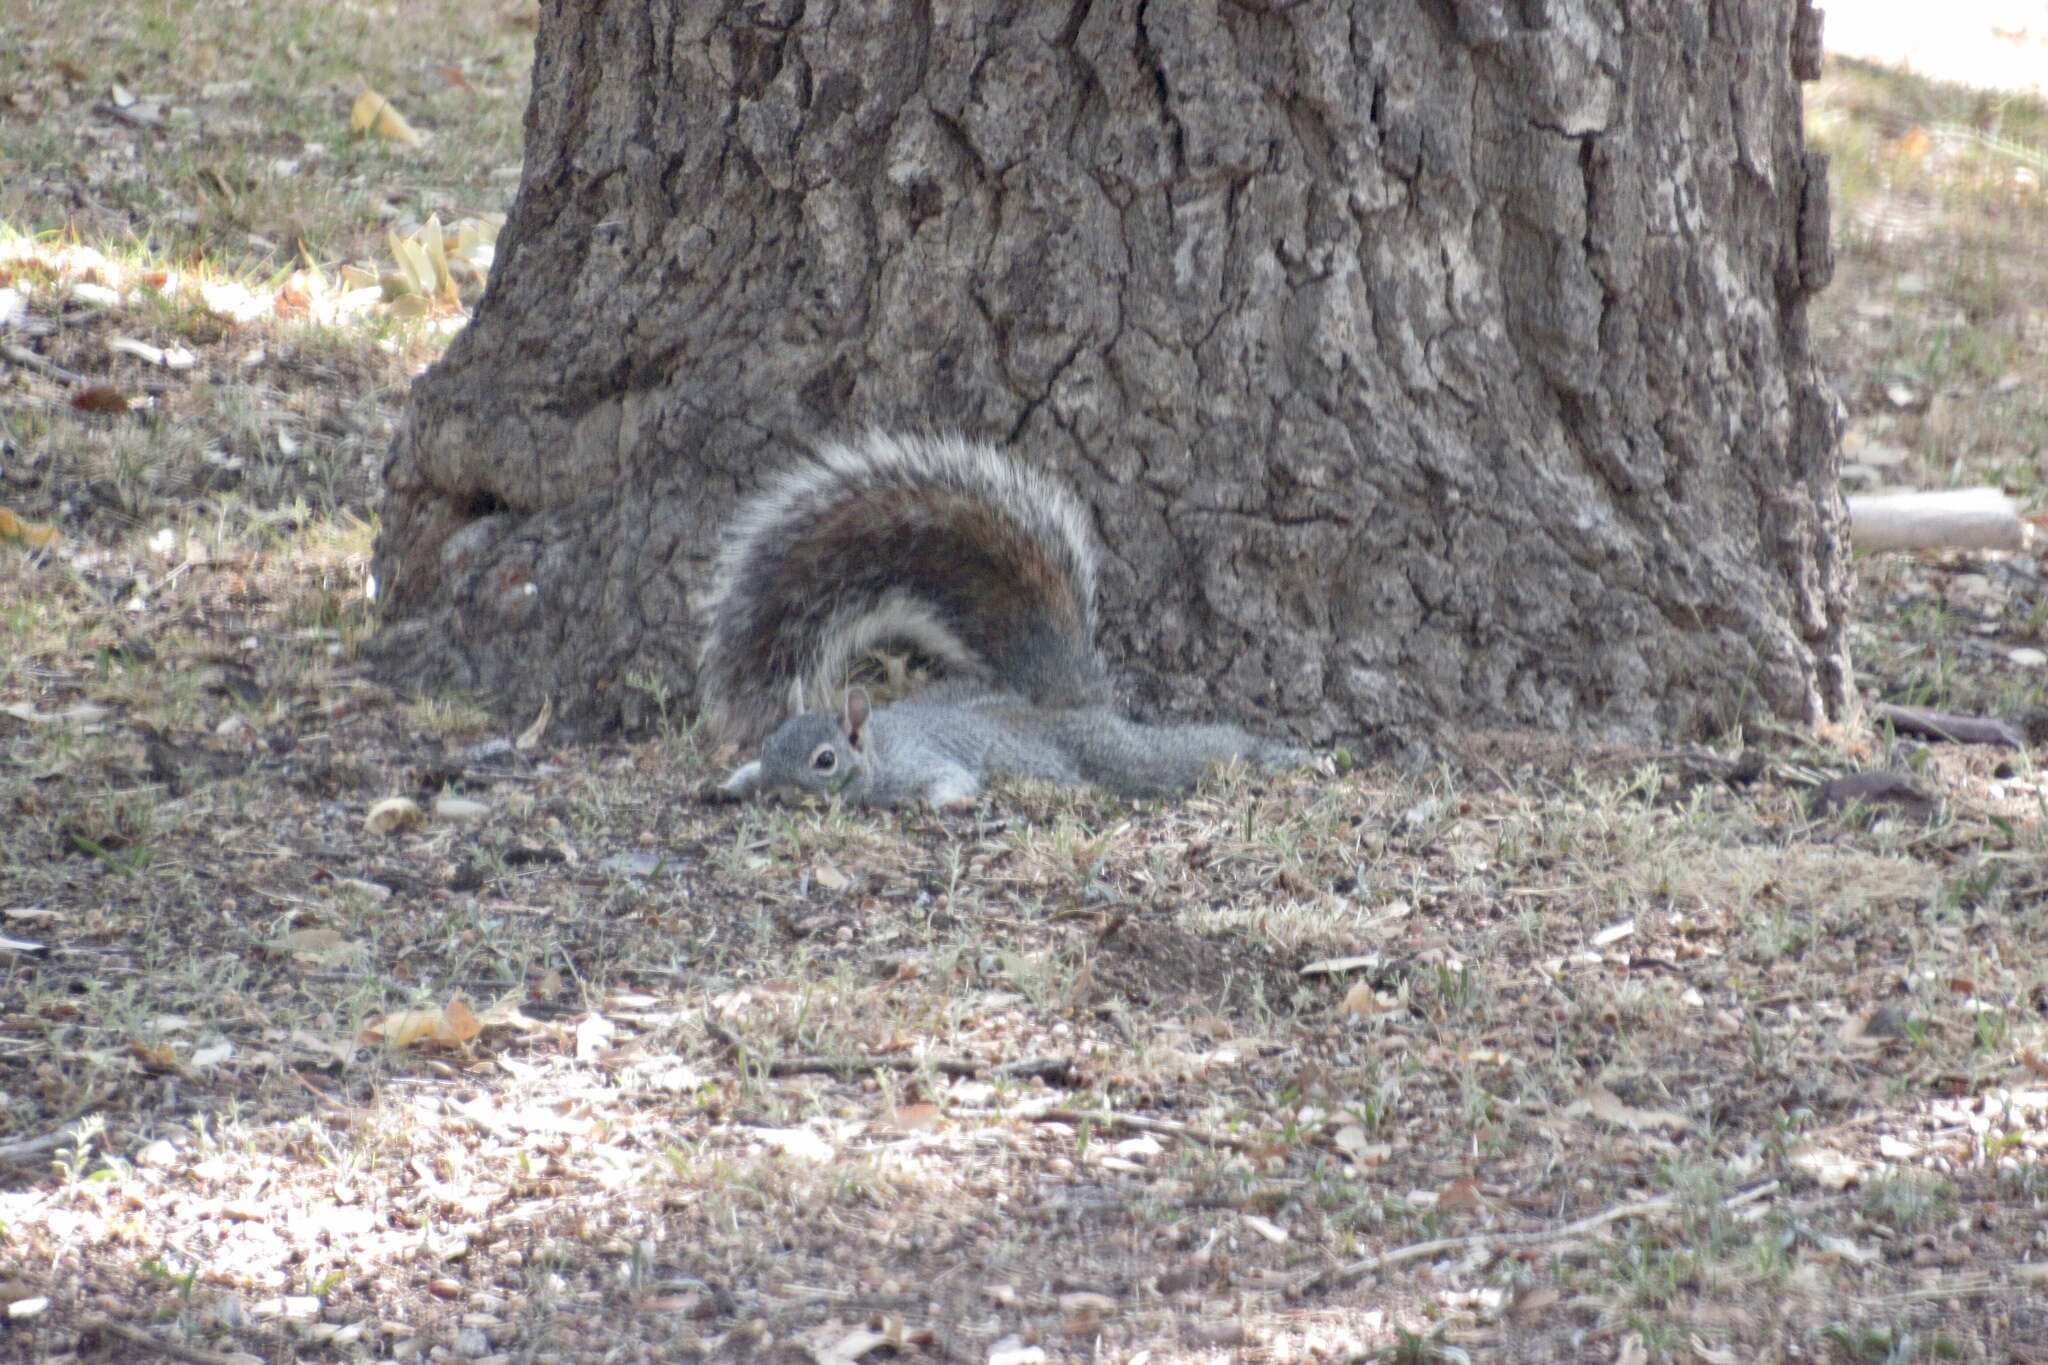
(936, 543)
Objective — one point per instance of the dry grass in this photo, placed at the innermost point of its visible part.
(1067, 1074)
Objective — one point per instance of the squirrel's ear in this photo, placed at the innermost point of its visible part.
(856, 715)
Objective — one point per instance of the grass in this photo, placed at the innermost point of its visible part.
(736, 1078)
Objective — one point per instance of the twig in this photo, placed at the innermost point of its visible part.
(135, 1336)
(1048, 1068)
(48, 1142)
(21, 355)
(1341, 1277)
(1135, 1123)
(1945, 725)
(1045, 1068)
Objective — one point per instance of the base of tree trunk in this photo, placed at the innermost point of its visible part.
(1423, 365)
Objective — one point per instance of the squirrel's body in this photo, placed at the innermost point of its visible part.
(953, 550)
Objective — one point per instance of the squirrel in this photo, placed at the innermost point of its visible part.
(958, 552)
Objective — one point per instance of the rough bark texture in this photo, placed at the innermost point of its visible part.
(1423, 361)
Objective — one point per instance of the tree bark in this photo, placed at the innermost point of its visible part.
(1424, 362)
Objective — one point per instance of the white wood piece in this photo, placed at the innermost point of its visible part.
(1954, 519)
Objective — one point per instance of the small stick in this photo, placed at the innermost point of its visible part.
(21, 355)
(1044, 1068)
(1049, 1068)
(48, 1142)
(1135, 1123)
(1951, 519)
(1946, 725)
(135, 1336)
(1341, 1277)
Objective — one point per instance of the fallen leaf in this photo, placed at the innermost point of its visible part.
(801, 1143)
(1272, 1232)
(450, 1026)
(1844, 1249)
(1605, 1105)
(1351, 1140)
(83, 716)
(460, 809)
(1834, 1170)
(916, 1118)
(1461, 1195)
(1340, 966)
(375, 114)
(1614, 933)
(34, 536)
(212, 1055)
(1872, 789)
(392, 814)
(1713, 1355)
(530, 736)
(100, 398)
(594, 1033)
(318, 947)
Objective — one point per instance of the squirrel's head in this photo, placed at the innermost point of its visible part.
(819, 751)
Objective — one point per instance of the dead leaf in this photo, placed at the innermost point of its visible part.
(1608, 1107)
(392, 814)
(100, 398)
(1873, 789)
(801, 1143)
(1461, 1195)
(916, 1118)
(594, 1033)
(318, 947)
(449, 1026)
(155, 1056)
(375, 114)
(212, 1055)
(1351, 1140)
(1844, 1249)
(1342, 966)
(29, 533)
(1271, 1231)
(1713, 1355)
(1833, 1170)
(1614, 933)
(530, 736)
(459, 809)
(83, 716)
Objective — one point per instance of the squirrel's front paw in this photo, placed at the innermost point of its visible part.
(743, 783)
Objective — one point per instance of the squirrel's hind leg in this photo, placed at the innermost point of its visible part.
(952, 787)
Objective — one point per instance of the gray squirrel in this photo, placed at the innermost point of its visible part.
(952, 549)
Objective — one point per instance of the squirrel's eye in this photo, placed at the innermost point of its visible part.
(825, 759)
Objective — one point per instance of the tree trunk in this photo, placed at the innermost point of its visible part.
(1424, 361)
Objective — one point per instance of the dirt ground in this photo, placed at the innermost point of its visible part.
(337, 1025)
